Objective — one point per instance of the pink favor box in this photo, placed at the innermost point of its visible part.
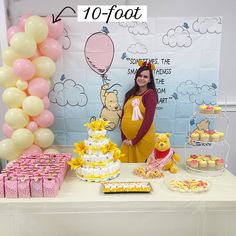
(24, 187)
(2, 192)
(50, 187)
(36, 186)
(11, 187)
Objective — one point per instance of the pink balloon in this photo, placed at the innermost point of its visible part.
(32, 126)
(37, 54)
(39, 87)
(23, 19)
(32, 150)
(12, 30)
(46, 102)
(55, 30)
(45, 119)
(7, 130)
(51, 48)
(24, 69)
(99, 52)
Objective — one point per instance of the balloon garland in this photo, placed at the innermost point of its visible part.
(29, 63)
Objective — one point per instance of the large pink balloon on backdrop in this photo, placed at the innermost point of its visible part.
(55, 30)
(99, 52)
(32, 150)
(12, 30)
(7, 130)
(24, 69)
(39, 87)
(46, 102)
(51, 48)
(45, 119)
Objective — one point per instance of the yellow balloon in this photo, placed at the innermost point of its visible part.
(23, 45)
(33, 105)
(45, 67)
(16, 118)
(8, 150)
(21, 84)
(9, 56)
(22, 138)
(43, 137)
(13, 97)
(7, 77)
(37, 28)
(51, 151)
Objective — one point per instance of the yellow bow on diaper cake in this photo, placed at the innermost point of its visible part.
(136, 111)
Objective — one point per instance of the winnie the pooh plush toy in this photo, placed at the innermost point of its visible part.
(163, 157)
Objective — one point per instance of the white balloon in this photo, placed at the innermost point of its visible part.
(43, 137)
(8, 150)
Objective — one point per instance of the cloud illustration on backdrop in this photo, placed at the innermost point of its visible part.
(68, 93)
(199, 95)
(211, 25)
(137, 48)
(136, 28)
(178, 37)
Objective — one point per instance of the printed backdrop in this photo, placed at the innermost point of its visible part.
(100, 61)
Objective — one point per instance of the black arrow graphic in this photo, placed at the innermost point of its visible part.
(54, 20)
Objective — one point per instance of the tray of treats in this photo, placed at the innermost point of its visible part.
(205, 162)
(188, 185)
(207, 136)
(206, 109)
(126, 187)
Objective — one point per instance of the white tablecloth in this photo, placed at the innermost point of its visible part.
(82, 209)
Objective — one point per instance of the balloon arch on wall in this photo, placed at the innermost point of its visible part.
(29, 63)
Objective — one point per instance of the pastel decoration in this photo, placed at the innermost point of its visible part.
(51, 151)
(23, 19)
(24, 69)
(55, 30)
(13, 97)
(33, 105)
(99, 52)
(37, 28)
(16, 118)
(46, 102)
(22, 138)
(45, 67)
(7, 130)
(136, 115)
(7, 77)
(45, 119)
(32, 126)
(32, 150)
(39, 87)
(23, 45)
(37, 54)
(9, 56)
(22, 85)
(12, 31)
(44, 137)
(8, 150)
(51, 48)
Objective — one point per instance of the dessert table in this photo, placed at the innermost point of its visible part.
(81, 208)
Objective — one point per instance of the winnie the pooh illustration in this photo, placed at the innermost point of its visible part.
(111, 110)
(163, 156)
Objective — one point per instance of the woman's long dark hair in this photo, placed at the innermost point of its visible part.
(150, 85)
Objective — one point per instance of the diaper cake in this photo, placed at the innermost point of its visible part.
(98, 158)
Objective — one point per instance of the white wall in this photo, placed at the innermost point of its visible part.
(165, 8)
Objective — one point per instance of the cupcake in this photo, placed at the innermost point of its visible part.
(217, 110)
(211, 164)
(203, 164)
(193, 156)
(204, 137)
(209, 110)
(194, 136)
(188, 161)
(202, 108)
(222, 136)
(220, 164)
(215, 158)
(194, 164)
(215, 137)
